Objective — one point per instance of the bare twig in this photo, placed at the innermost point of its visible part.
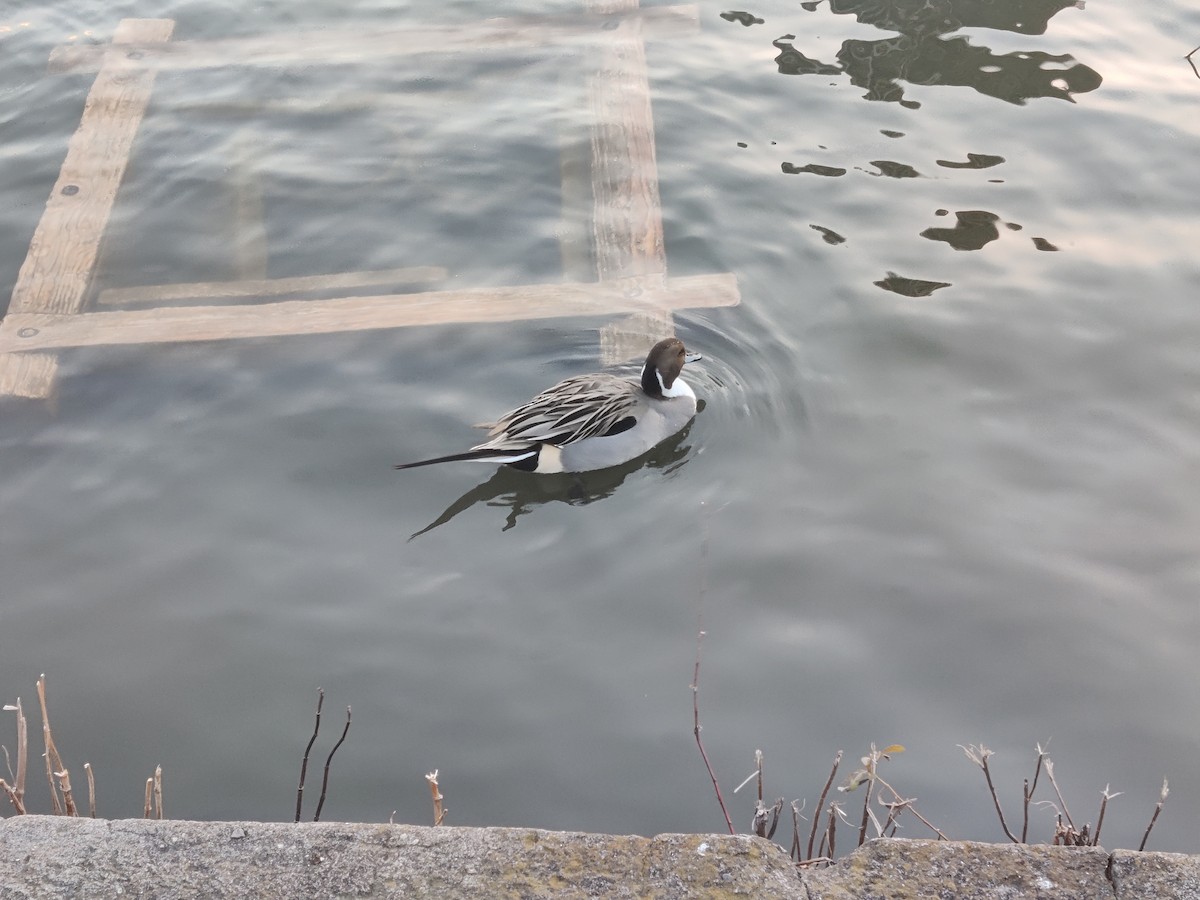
(795, 849)
(91, 777)
(833, 810)
(1029, 792)
(702, 594)
(908, 804)
(814, 861)
(16, 791)
(1162, 797)
(149, 795)
(53, 761)
(763, 816)
(1192, 64)
(979, 755)
(862, 828)
(837, 761)
(22, 750)
(438, 812)
(304, 762)
(328, 760)
(64, 784)
(158, 803)
(1105, 796)
(1063, 803)
(696, 729)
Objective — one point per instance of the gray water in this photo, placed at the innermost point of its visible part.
(906, 513)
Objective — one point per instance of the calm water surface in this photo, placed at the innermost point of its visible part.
(944, 488)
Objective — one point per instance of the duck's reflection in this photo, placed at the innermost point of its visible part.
(523, 492)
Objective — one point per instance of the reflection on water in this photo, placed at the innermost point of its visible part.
(919, 54)
(909, 287)
(523, 492)
(974, 229)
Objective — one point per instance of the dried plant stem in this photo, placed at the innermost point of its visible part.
(908, 805)
(304, 762)
(158, 793)
(812, 835)
(696, 731)
(328, 760)
(439, 813)
(1028, 792)
(53, 760)
(866, 813)
(91, 777)
(794, 852)
(16, 791)
(832, 829)
(1192, 64)
(1162, 797)
(64, 783)
(979, 756)
(22, 751)
(1062, 803)
(149, 795)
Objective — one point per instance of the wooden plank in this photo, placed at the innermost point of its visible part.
(295, 317)
(58, 268)
(268, 287)
(330, 46)
(29, 375)
(627, 222)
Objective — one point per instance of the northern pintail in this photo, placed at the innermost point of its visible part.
(591, 421)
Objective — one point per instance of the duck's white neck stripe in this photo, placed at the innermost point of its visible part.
(679, 388)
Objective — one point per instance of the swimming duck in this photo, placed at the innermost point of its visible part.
(591, 421)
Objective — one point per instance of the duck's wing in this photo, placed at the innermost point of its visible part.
(581, 407)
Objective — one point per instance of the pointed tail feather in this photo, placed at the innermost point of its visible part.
(496, 456)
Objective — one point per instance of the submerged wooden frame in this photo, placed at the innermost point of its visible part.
(48, 307)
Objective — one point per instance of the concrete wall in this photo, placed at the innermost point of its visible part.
(56, 857)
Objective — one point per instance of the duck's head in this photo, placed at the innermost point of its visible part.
(663, 365)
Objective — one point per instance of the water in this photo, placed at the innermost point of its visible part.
(943, 489)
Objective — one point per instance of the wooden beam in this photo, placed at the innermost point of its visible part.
(28, 331)
(58, 269)
(268, 287)
(627, 220)
(330, 46)
(627, 227)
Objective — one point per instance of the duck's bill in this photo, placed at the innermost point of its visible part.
(692, 357)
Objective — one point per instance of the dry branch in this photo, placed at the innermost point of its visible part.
(979, 755)
(837, 761)
(1162, 797)
(53, 760)
(16, 791)
(304, 761)
(91, 777)
(439, 813)
(328, 760)
(158, 793)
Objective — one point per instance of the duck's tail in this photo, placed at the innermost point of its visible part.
(492, 456)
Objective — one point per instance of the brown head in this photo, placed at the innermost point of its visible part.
(663, 365)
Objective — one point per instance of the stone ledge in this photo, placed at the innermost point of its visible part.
(51, 856)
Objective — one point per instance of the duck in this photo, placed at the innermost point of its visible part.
(590, 422)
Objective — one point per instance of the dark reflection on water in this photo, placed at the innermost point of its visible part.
(920, 54)
(974, 161)
(523, 492)
(974, 229)
(909, 287)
